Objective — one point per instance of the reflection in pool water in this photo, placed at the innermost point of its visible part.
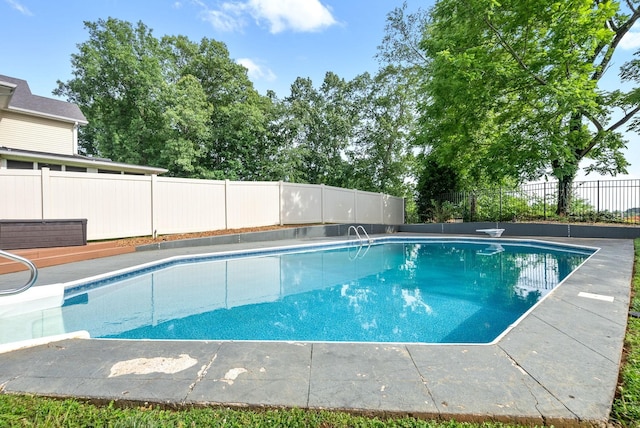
(444, 292)
(397, 290)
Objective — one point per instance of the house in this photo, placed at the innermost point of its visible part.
(37, 132)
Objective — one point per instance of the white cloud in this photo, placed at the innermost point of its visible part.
(223, 21)
(19, 7)
(279, 15)
(631, 40)
(256, 71)
(295, 15)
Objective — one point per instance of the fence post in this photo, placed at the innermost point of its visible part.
(45, 192)
(281, 202)
(154, 201)
(598, 197)
(322, 198)
(544, 198)
(226, 204)
(472, 205)
(355, 205)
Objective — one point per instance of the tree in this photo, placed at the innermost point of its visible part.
(512, 88)
(170, 103)
(118, 82)
(379, 154)
(435, 181)
(186, 114)
(319, 124)
(396, 104)
(400, 44)
(238, 147)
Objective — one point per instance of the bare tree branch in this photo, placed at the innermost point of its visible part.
(620, 33)
(512, 52)
(601, 131)
(625, 119)
(630, 5)
(594, 121)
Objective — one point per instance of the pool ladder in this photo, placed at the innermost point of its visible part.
(361, 240)
(26, 262)
(357, 233)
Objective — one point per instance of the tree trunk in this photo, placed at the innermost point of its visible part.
(565, 172)
(564, 195)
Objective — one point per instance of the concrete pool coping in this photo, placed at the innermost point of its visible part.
(558, 366)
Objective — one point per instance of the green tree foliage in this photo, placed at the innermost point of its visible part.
(435, 181)
(512, 88)
(400, 44)
(352, 134)
(238, 121)
(118, 85)
(186, 116)
(170, 103)
(380, 155)
(398, 99)
(319, 124)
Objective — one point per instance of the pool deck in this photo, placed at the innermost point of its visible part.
(558, 366)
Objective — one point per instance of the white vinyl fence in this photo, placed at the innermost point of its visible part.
(118, 206)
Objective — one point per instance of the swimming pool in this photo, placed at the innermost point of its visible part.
(395, 290)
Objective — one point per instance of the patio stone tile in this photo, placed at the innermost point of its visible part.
(366, 376)
(158, 390)
(262, 360)
(468, 380)
(356, 361)
(408, 396)
(256, 373)
(586, 325)
(252, 392)
(548, 355)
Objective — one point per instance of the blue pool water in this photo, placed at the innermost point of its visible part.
(396, 290)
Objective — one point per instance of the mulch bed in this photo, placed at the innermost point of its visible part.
(144, 240)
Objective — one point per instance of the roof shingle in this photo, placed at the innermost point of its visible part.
(23, 99)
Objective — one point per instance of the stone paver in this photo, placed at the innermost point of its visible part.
(256, 374)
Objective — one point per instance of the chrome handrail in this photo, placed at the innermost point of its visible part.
(361, 227)
(361, 240)
(356, 231)
(29, 264)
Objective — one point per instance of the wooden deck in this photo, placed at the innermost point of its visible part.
(44, 257)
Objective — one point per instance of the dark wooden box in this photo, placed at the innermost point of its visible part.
(20, 234)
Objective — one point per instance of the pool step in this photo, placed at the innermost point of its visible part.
(44, 257)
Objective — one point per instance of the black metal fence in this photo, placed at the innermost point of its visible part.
(602, 201)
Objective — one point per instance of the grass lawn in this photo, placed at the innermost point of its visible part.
(626, 407)
(28, 411)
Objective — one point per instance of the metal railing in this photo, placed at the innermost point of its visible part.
(29, 264)
(361, 241)
(601, 201)
(356, 231)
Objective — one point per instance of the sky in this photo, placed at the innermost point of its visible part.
(276, 40)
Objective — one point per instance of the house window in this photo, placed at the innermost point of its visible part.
(51, 166)
(108, 171)
(70, 168)
(16, 164)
